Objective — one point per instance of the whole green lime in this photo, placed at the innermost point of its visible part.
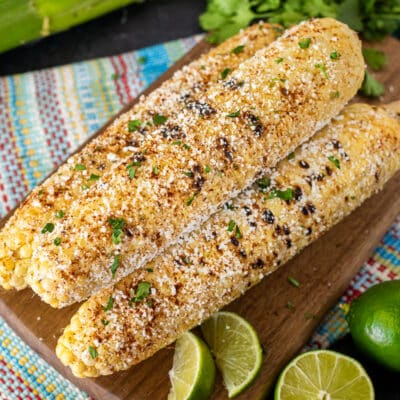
(374, 321)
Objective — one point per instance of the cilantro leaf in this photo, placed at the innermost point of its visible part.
(115, 264)
(116, 224)
(142, 291)
(335, 161)
(281, 194)
(371, 87)
(349, 12)
(109, 305)
(375, 59)
(93, 352)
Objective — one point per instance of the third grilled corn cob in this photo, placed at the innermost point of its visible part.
(325, 179)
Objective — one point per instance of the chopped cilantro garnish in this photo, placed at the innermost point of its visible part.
(40, 192)
(93, 352)
(177, 143)
(79, 167)
(134, 125)
(189, 201)
(231, 225)
(115, 264)
(281, 194)
(94, 177)
(186, 146)
(233, 114)
(322, 68)
(207, 169)
(289, 305)
(110, 304)
(143, 290)
(291, 156)
(334, 95)
(371, 87)
(149, 269)
(305, 43)
(49, 227)
(225, 73)
(335, 161)
(189, 174)
(105, 322)
(159, 119)
(57, 241)
(263, 183)
(156, 170)
(131, 171)
(238, 49)
(375, 59)
(293, 281)
(60, 214)
(279, 60)
(334, 55)
(238, 234)
(116, 224)
(85, 187)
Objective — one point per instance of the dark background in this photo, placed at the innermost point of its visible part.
(130, 28)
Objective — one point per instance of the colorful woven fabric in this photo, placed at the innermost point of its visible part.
(44, 116)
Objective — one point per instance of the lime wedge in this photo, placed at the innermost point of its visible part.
(193, 371)
(236, 348)
(324, 375)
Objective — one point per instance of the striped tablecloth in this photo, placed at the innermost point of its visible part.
(44, 116)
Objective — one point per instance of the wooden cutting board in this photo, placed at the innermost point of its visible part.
(324, 269)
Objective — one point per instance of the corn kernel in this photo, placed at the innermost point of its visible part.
(25, 251)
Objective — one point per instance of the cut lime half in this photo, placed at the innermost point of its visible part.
(236, 348)
(324, 375)
(193, 371)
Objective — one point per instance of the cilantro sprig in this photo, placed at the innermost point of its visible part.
(374, 19)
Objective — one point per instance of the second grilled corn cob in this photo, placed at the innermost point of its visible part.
(326, 179)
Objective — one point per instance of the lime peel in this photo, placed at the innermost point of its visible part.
(193, 372)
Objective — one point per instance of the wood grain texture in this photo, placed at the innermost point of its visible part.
(324, 269)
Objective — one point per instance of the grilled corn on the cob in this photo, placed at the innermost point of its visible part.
(326, 179)
(51, 200)
(250, 122)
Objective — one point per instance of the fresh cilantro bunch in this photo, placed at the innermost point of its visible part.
(373, 18)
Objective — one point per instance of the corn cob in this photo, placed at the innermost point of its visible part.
(104, 238)
(42, 206)
(326, 179)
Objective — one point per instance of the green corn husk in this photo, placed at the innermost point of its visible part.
(22, 21)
